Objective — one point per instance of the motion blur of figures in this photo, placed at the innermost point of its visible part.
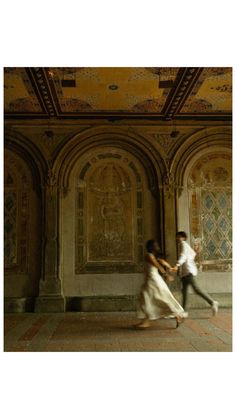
(188, 271)
(156, 300)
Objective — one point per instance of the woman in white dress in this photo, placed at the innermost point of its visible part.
(156, 299)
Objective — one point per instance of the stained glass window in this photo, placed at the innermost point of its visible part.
(216, 224)
(210, 193)
(10, 228)
(16, 214)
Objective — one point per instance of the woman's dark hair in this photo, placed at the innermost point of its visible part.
(182, 234)
(150, 247)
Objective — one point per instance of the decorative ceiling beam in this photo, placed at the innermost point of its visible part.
(185, 80)
(42, 89)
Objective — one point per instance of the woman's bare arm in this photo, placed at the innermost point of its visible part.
(164, 263)
(153, 261)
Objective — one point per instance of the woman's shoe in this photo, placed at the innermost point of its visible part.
(143, 325)
(179, 320)
(215, 308)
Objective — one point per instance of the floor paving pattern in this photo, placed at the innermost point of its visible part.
(115, 332)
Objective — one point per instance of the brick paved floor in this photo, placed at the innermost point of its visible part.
(94, 332)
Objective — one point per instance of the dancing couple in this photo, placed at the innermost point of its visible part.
(156, 300)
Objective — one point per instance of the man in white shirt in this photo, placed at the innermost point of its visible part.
(188, 271)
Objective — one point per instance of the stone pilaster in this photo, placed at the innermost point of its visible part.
(171, 192)
(169, 217)
(50, 291)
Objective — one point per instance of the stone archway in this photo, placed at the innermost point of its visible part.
(109, 206)
(203, 175)
(207, 200)
(195, 148)
(22, 234)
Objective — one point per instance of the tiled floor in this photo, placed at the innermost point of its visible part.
(95, 332)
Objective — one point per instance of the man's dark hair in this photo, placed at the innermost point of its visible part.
(182, 234)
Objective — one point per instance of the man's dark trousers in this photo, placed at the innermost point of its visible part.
(191, 280)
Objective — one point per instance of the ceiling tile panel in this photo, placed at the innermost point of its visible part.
(212, 93)
(19, 95)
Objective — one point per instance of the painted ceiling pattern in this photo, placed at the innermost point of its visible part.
(111, 89)
(164, 92)
(19, 95)
(212, 92)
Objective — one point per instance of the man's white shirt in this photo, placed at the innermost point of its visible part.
(186, 260)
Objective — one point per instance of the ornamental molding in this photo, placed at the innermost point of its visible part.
(187, 77)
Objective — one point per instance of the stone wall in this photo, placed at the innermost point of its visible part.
(97, 192)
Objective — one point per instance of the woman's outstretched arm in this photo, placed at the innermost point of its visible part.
(164, 263)
(153, 261)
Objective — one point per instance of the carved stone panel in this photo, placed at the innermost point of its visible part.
(109, 201)
(109, 215)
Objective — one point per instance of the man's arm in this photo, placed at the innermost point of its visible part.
(182, 258)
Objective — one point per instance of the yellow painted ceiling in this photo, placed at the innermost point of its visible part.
(18, 96)
(213, 92)
(111, 89)
(119, 89)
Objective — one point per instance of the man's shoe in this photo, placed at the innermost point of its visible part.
(215, 308)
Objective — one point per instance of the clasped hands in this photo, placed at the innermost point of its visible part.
(174, 269)
(168, 277)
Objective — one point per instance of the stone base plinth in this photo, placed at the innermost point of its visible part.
(129, 302)
(50, 304)
(101, 303)
(106, 303)
(195, 301)
(19, 304)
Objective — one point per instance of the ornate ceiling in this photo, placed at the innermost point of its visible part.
(124, 92)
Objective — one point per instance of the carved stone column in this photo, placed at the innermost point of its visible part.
(169, 217)
(171, 191)
(50, 292)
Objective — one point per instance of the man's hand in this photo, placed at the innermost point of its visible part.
(174, 269)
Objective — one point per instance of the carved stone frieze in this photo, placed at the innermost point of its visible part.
(169, 185)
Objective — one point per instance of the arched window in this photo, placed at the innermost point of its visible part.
(16, 214)
(210, 199)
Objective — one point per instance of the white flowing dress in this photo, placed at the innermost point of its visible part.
(156, 299)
